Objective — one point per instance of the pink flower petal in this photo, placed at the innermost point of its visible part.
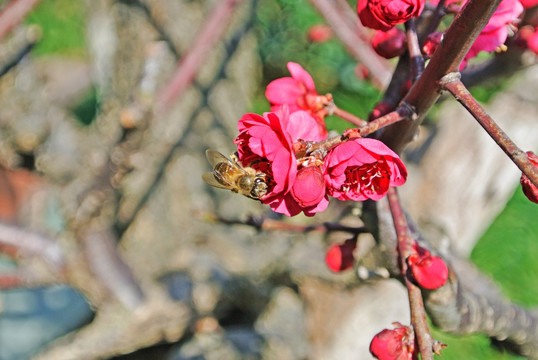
(303, 126)
(284, 90)
(301, 75)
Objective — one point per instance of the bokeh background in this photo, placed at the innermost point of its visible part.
(257, 286)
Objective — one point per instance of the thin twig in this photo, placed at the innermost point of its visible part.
(266, 224)
(12, 14)
(355, 120)
(454, 85)
(417, 61)
(435, 19)
(212, 31)
(311, 147)
(416, 304)
(402, 112)
(378, 67)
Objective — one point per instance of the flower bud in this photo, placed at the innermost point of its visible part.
(389, 44)
(309, 187)
(340, 257)
(396, 344)
(530, 191)
(432, 41)
(430, 272)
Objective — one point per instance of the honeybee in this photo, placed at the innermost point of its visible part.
(229, 174)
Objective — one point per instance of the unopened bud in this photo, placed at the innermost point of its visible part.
(389, 44)
(340, 257)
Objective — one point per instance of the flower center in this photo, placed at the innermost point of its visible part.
(368, 179)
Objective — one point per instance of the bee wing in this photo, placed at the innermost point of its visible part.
(209, 178)
(214, 158)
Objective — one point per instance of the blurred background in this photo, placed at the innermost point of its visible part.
(197, 279)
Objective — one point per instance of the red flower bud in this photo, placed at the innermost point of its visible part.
(430, 44)
(340, 257)
(389, 44)
(530, 191)
(396, 344)
(430, 272)
(309, 187)
(319, 33)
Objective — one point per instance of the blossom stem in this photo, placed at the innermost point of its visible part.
(313, 147)
(355, 120)
(416, 304)
(401, 112)
(417, 61)
(454, 85)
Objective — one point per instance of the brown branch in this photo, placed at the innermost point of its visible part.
(12, 14)
(425, 91)
(361, 50)
(453, 84)
(416, 304)
(212, 30)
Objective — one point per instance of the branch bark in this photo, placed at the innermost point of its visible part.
(425, 91)
(518, 156)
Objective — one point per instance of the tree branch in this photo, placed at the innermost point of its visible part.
(425, 91)
(416, 304)
(453, 84)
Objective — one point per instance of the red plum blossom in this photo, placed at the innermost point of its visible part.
(385, 14)
(265, 143)
(362, 169)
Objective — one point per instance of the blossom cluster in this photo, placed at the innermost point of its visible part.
(389, 41)
(302, 181)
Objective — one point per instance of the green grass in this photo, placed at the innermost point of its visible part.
(507, 252)
(63, 25)
(509, 248)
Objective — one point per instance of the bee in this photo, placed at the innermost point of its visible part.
(229, 174)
